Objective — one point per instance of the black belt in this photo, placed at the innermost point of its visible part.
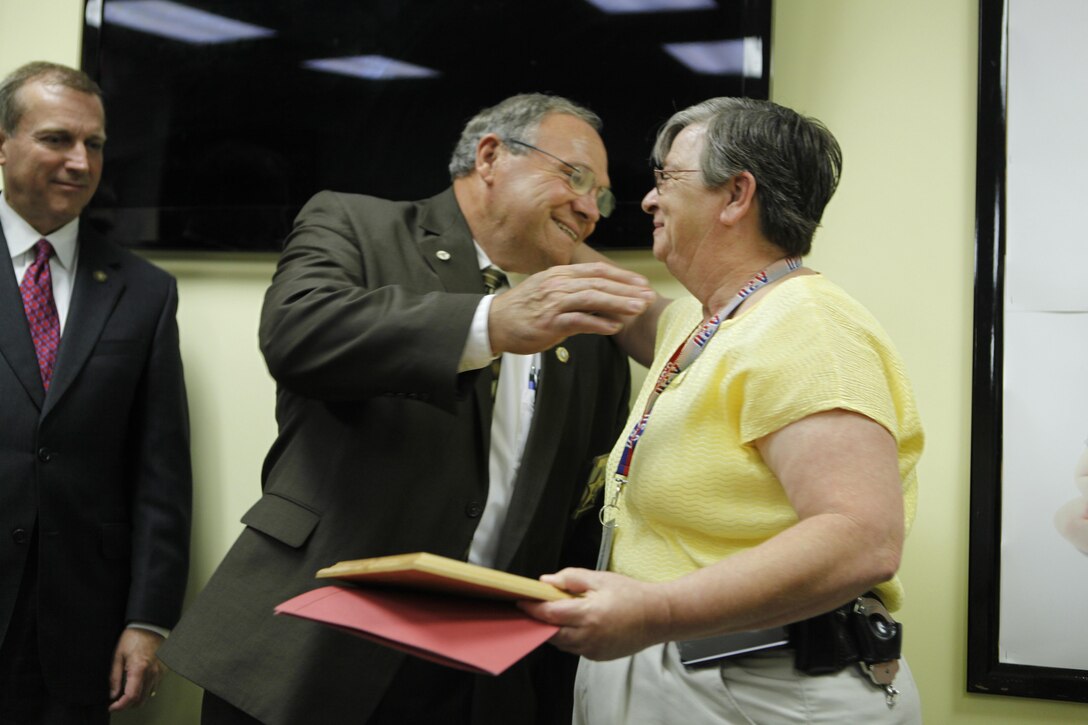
(860, 631)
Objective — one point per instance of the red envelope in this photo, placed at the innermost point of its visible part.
(479, 635)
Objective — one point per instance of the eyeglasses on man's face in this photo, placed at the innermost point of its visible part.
(580, 179)
(663, 177)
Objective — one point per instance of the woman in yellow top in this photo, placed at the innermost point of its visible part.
(768, 476)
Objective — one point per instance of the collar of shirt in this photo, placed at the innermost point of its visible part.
(512, 278)
(22, 237)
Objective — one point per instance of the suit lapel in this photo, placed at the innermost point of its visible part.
(99, 282)
(16, 345)
(445, 242)
(541, 447)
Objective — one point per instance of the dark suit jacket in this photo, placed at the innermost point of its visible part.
(383, 449)
(98, 467)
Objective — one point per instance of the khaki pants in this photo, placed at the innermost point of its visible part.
(653, 688)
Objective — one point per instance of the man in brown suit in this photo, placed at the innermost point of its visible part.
(380, 336)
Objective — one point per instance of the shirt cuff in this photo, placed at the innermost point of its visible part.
(477, 352)
(161, 631)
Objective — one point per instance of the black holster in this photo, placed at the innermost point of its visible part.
(861, 630)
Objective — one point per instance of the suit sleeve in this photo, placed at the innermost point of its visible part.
(161, 480)
(353, 312)
(584, 536)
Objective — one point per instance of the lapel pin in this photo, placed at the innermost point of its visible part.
(100, 276)
(562, 354)
(443, 255)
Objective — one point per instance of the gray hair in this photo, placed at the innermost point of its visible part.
(53, 74)
(795, 160)
(518, 117)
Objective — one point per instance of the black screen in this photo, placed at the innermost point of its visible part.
(216, 145)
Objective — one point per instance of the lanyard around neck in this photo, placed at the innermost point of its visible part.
(681, 360)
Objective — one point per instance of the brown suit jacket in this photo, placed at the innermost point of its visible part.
(383, 449)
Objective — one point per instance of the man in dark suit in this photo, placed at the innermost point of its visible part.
(95, 480)
(381, 338)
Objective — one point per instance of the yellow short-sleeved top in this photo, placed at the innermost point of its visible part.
(698, 489)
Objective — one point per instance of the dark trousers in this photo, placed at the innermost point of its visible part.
(24, 697)
(214, 710)
(421, 693)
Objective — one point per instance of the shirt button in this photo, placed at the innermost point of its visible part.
(19, 536)
(44, 454)
(473, 509)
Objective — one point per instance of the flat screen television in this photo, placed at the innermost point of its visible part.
(226, 116)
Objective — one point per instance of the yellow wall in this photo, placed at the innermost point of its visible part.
(896, 82)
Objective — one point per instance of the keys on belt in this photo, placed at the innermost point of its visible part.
(883, 675)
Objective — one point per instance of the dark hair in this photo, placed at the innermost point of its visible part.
(517, 117)
(795, 160)
(55, 74)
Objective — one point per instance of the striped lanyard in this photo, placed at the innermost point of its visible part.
(680, 360)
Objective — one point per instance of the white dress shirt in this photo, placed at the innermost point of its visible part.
(515, 399)
(22, 237)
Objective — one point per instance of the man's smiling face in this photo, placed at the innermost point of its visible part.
(52, 160)
(538, 213)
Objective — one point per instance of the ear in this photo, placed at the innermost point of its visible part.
(740, 198)
(487, 153)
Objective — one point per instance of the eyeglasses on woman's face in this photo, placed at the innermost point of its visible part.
(664, 177)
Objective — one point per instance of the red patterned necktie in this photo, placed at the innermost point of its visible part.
(41, 311)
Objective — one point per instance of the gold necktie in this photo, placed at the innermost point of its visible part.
(493, 280)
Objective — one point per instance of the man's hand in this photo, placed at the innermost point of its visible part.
(136, 670)
(595, 298)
